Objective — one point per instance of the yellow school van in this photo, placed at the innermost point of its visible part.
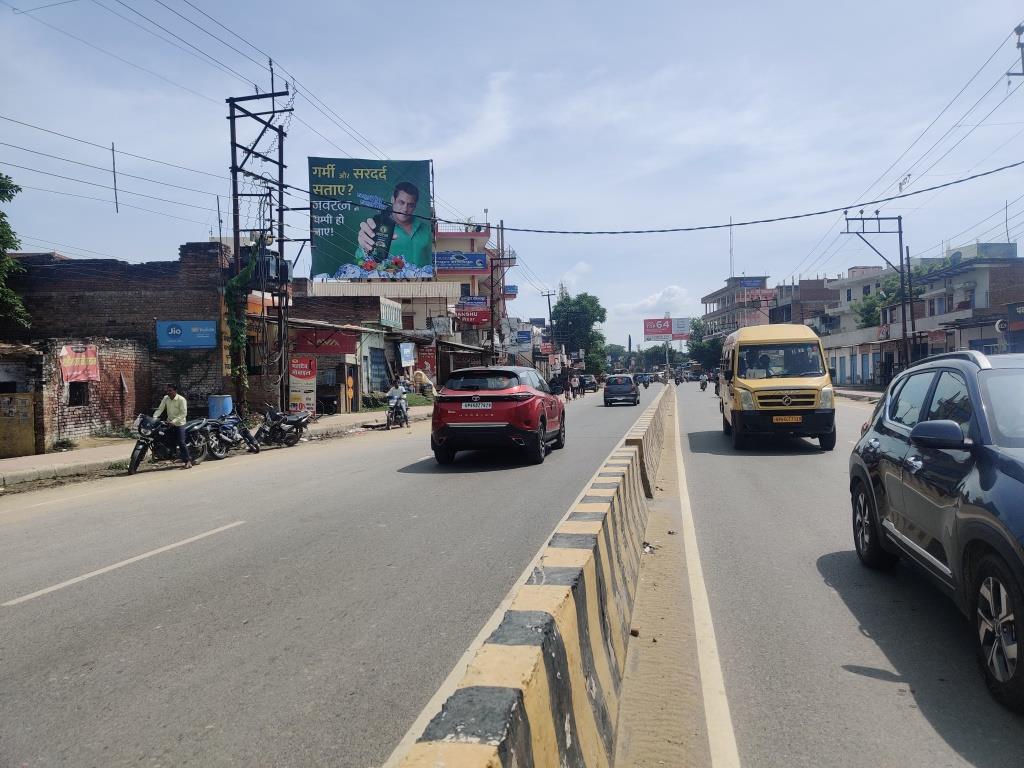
(773, 381)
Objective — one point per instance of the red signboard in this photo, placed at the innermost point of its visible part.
(658, 329)
(546, 348)
(473, 315)
(426, 361)
(325, 342)
(79, 363)
(302, 384)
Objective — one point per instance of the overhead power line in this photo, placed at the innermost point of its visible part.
(111, 54)
(906, 151)
(108, 170)
(106, 148)
(107, 201)
(747, 223)
(105, 186)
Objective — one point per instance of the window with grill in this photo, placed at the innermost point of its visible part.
(78, 393)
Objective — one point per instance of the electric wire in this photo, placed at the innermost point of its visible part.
(108, 170)
(113, 55)
(117, 151)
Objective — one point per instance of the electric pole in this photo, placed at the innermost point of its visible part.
(877, 229)
(238, 110)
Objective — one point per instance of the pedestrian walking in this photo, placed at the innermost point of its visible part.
(176, 407)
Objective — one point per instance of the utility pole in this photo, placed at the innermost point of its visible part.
(239, 110)
(862, 229)
(551, 325)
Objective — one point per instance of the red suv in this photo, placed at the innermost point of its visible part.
(496, 407)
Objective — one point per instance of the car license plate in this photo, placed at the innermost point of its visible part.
(787, 419)
(476, 406)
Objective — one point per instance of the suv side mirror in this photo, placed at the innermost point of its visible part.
(556, 390)
(941, 433)
(832, 374)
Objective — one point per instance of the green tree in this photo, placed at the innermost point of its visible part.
(617, 352)
(868, 309)
(12, 308)
(575, 318)
(707, 352)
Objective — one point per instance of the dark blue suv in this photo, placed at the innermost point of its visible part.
(937, 478)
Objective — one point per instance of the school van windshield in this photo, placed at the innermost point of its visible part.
(779, 360)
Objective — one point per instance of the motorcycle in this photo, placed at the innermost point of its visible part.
(703, 385)
(161, 439)
(227, 432)
(678, 380)
(647, 383)
(281, 428)
(398, 410)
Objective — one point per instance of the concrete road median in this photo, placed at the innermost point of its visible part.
(544, 686)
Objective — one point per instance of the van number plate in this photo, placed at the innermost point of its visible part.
(787, 419)
(483, 406)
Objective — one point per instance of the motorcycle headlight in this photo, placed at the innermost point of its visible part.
(746, 400)
(828, 398)
(145, 432)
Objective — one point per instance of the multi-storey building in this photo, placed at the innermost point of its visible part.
(743, 301)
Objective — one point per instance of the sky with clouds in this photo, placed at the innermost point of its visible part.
(552, 115)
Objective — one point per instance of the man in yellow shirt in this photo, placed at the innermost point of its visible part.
(177, 414)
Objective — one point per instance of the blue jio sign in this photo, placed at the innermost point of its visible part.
(186, 334)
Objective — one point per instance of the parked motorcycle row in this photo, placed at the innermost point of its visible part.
(214, 437)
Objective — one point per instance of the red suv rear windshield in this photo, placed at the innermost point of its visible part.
(471, 381)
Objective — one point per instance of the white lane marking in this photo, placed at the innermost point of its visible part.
(115, 566)
(424, 458)
(721, 737)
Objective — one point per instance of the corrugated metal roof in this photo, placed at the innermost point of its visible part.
(396, 290)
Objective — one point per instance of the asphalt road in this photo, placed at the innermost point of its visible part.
(337, 586)
(825, 662)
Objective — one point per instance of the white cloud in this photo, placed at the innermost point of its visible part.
(672, 299)
(575, 273)
(488, 130)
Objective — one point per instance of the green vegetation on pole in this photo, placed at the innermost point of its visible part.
(12, 308)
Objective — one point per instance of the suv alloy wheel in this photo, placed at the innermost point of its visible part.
(996, 599)
(865, 531)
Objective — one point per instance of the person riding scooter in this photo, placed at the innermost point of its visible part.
(703, 382)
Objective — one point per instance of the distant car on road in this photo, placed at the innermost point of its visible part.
(937, 478)
(621, 388)
(589, 383)
(496, 407)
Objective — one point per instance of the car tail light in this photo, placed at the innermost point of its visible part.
(522, 397)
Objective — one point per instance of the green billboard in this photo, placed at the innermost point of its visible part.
(370, 219)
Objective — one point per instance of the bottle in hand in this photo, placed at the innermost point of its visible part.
(382, 236)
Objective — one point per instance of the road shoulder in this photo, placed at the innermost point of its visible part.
(662, 719)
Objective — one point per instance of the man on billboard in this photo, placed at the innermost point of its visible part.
(412, 241)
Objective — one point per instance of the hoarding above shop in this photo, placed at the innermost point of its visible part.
(370, 218)
(460, 263)
(325, 342)
(473, 315)
(186, 334)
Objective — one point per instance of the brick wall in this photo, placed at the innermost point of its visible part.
(1006, 285)
(355, 310)
(81, 298)
(112, 402)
